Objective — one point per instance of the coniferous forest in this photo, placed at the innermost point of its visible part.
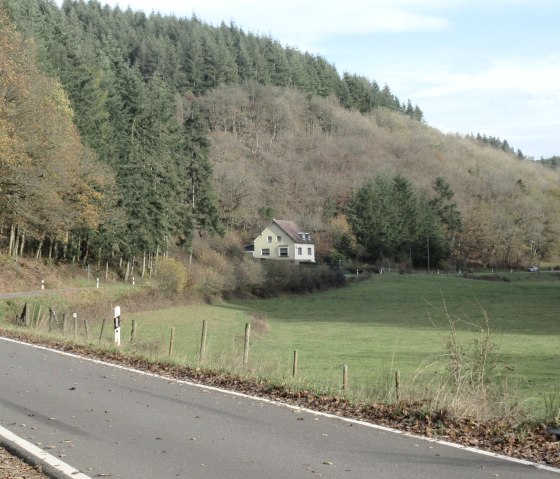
(122, 134)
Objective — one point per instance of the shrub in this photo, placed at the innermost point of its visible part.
(475, 382)
(284, 277)
(259, 322)
(212, 272)
(171, 277)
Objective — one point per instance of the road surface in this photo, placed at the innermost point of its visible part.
(112, 422)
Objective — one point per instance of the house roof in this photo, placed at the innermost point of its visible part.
(293, 231)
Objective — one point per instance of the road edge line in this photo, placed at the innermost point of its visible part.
(35, 456)
(294, 407)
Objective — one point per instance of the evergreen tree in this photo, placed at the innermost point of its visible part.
(391, 220)
(199, 204)
(444, 206)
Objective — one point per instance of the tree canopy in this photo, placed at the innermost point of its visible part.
(121, 132)
(392, 220)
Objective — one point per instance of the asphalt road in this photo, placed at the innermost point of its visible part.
(111, 422)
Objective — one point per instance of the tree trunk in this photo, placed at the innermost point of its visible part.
(38, 253)
(126, 272)
(143, 264)
(22, 243)
(65, 246)
(86, 253)
(11, 244)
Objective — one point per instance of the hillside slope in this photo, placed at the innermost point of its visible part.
(277, 152)
(142, 95)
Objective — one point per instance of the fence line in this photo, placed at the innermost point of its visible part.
(31, 317)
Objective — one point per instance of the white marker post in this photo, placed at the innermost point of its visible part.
(97, 283)
(42, 284)
(117, 323)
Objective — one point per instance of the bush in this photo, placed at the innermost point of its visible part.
(171, 276)
(284, 277)
(488, 277)
(259, 322)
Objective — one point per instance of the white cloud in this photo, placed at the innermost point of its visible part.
(458, 86)
(291, 20)
(537, 78)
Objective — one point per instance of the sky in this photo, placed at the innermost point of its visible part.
(473, 66)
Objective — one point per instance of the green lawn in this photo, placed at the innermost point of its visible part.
(390, 322)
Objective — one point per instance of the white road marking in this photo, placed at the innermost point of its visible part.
(12, 442)
(293, 407)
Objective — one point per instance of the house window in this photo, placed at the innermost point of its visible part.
(283, 252)
(299, 251)
(279, 239)
(307, 236)
(309, 251)
(265, 252)
(269, 239)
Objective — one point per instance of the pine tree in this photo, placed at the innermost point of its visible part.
(199, 211)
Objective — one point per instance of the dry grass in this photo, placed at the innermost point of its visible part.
(259, 322)
(24, 274)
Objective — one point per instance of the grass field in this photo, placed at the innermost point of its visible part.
(387, 323)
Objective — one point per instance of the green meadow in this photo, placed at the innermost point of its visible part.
(375, 327)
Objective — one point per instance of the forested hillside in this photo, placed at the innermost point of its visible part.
(278, 153)
(122, 133)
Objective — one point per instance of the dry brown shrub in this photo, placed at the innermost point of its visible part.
(211, 271)
(221, 267)
(259, 322)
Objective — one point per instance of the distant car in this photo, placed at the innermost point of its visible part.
(532, 269)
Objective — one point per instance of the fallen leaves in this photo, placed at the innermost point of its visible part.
(533, 442)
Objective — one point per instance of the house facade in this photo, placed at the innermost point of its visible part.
(284, 241)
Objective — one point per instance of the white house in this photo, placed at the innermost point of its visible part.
(284, 240)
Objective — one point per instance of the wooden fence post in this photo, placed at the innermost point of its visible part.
(246, 344)
(86, 329)
(203, 341)
(24, 314)
(171, 341)
(398, 385)
(295, 365)
(133, 331)
(52, 318)
(345, 377)
(102, 328)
